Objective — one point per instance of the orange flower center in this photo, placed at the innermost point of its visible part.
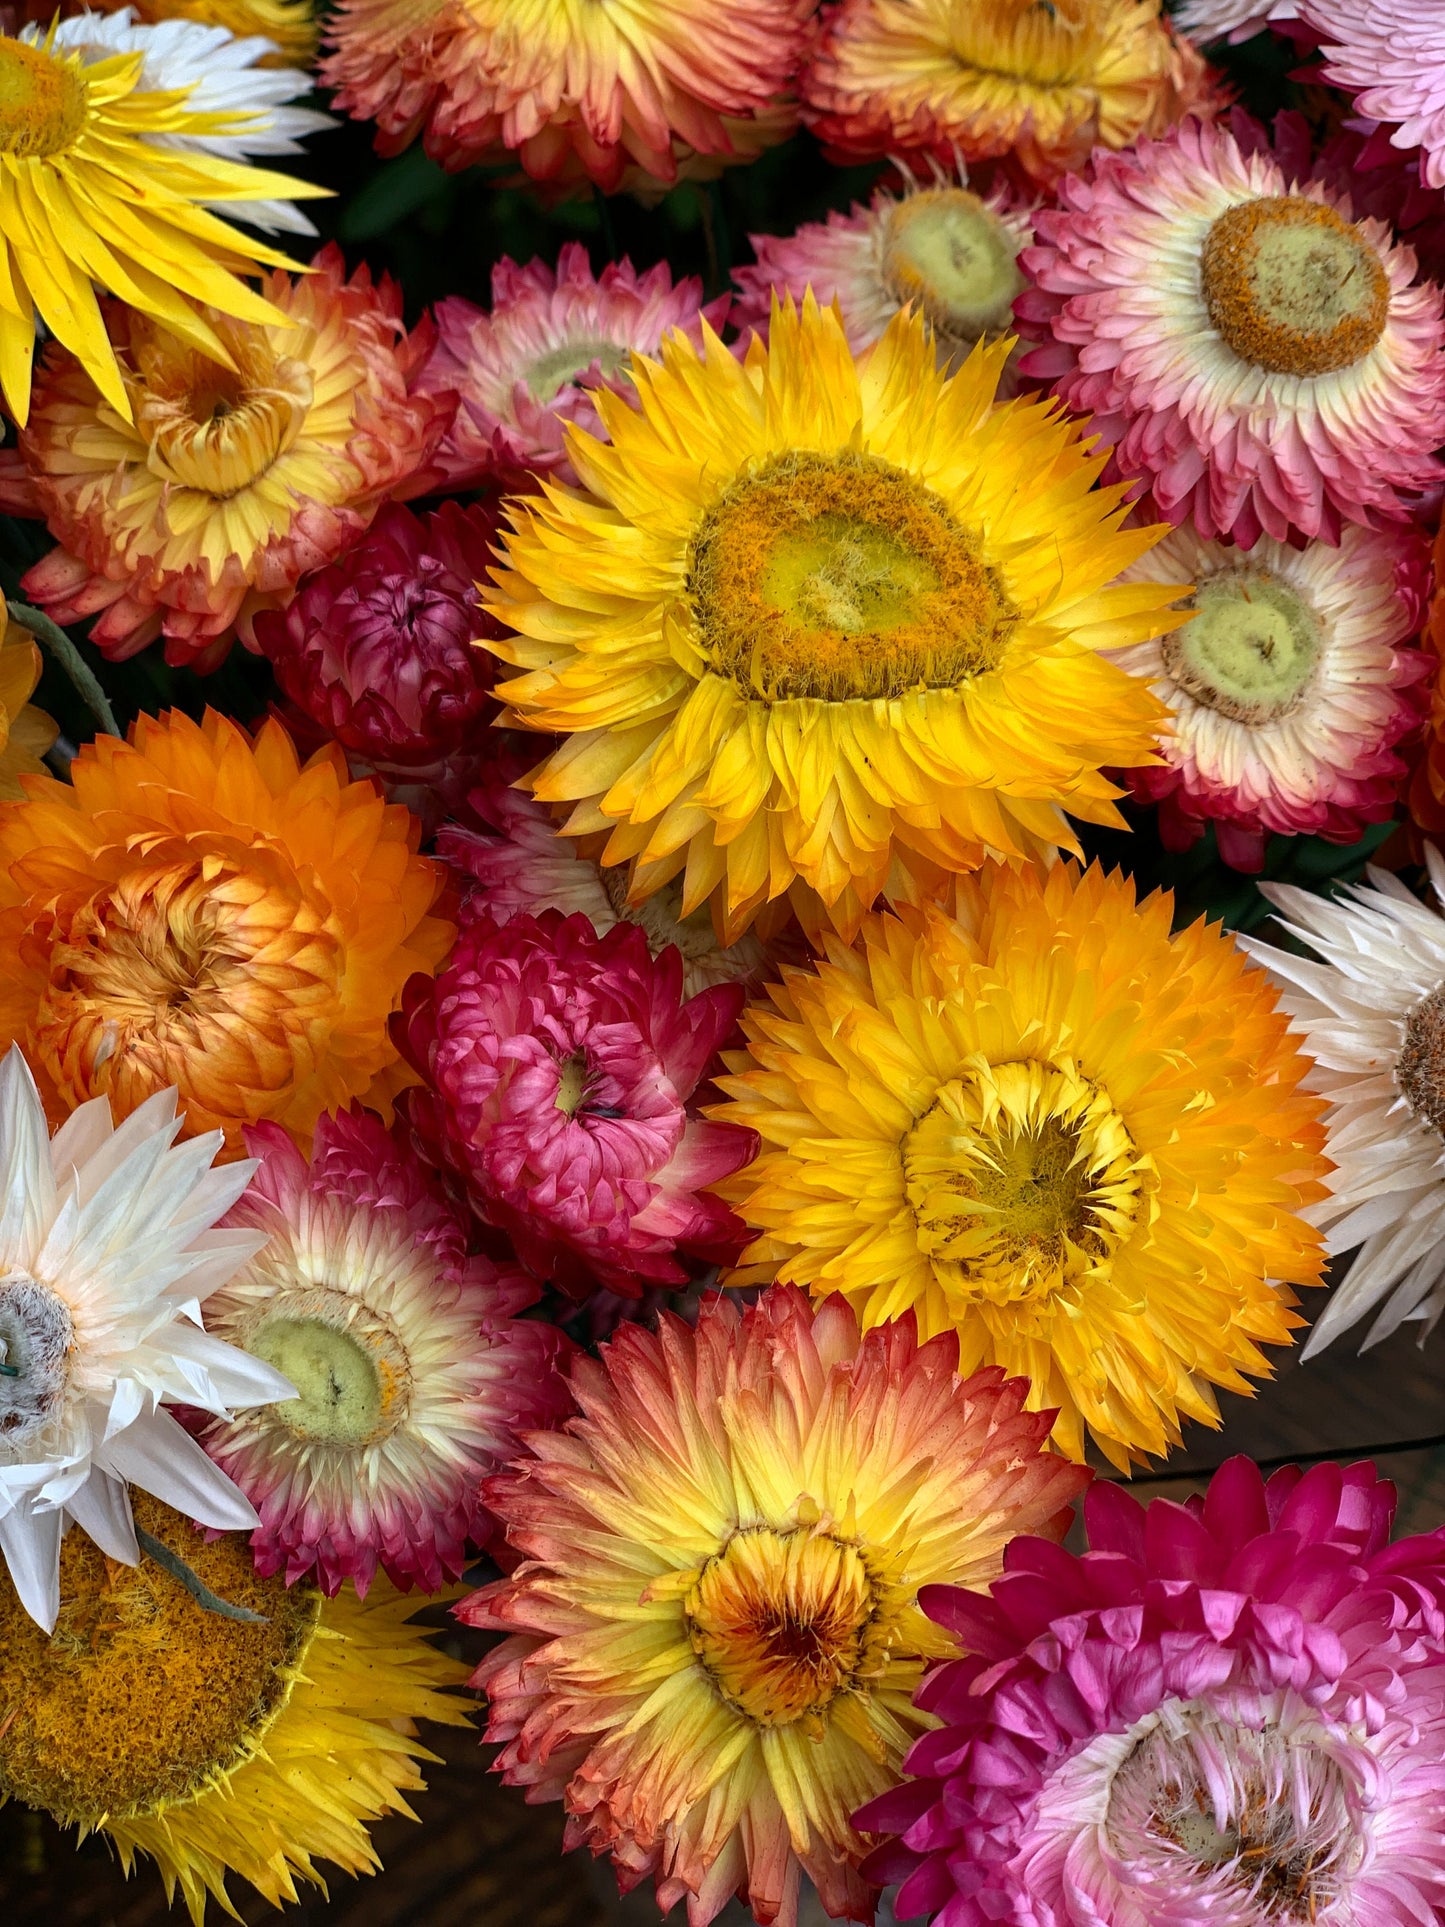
(198, 971)
(780, 1620)
(840, 578)
(141, 1697)
(212, 428)
(43, 102)
(1294, 287)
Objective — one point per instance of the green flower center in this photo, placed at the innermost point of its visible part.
(839, 578)
(948, 255)
(1293, 287)
(1252, 649)
(569, 359)
(347, 1362)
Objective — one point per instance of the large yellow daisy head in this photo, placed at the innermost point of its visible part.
(817, 628)
(254, 1733)
(1044, 1121)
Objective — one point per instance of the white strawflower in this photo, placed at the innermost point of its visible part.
(1372, 1013)
(224, 77)
(1208, 20)
(107, 1253)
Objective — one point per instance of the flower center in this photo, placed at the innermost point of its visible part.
(1024, 1177)
(1252, 649)
(780, 1620)
(351, 1371)
(1420, 1067)
(36, 1336)
(1233, 1816)
(573, 1078)
(212, 428)
(570, 359)
(840, 578)
(43, 101)
(947, 254)
(140, 1698)
(1293, 287)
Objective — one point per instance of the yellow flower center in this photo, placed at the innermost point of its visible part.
(1293, 287)
(141, 1698)
(43, 101)
(36, 1337)
(1023, 1179)
(570, 359)
(1252, 649)
(1420, 1067)
(572, 1082)
(783, 1622)
(947, 254)
(211, 428)
(840, 578)
(351, 1371)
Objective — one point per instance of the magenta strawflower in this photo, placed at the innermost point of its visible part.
(1230, 1711)
(511, 860)
(528, 368)
(559, 1069)
(1258, 359)
(948, 251)
(413, 1371)
(1289, 689)
(377, 648)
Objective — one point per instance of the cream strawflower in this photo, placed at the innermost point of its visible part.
(1370, 1007)
(106, 1254)
(224, 75)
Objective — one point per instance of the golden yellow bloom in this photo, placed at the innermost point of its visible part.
(25, 732)
(196, 910)
(91, 195)
(822, 629)
(1046, 1123)
(1040, 81)
(214, 1744)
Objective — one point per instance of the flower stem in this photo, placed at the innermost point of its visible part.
(71, 661)
(207, 1600)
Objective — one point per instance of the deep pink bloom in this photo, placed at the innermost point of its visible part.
(525, 370)
(1229, 1711)
(414, 1371)
(377, 648)
(558, 1066)
(1230, 407)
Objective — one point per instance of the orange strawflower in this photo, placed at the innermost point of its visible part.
(25, 732)
(200, 910)
(230, 483)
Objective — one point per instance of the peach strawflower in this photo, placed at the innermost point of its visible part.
(716, 1630)
(230, 485)
(1038, 83)
(568, 87)
(195, 909)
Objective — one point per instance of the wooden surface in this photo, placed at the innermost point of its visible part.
(481, 1858)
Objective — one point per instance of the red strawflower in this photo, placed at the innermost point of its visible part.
(559, 1065)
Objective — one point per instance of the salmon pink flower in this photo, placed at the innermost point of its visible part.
(412, 1370)
(559, 1066)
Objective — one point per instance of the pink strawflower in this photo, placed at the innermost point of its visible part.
(377, 648)
(1390, 54)
(571, 91)
(950, 252)
(558, 1066)
(413, 1371)
(1289, 689)
(512, 861)
(1230, 1711)
(1206, 21)
(1357, 160)
(1258, 359)
(527, 369)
